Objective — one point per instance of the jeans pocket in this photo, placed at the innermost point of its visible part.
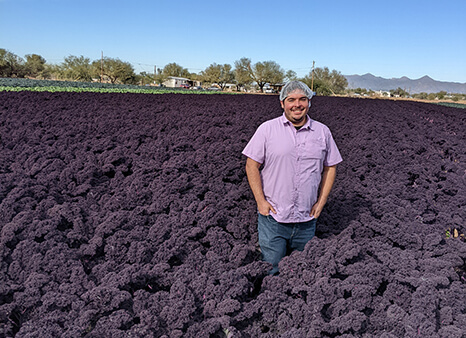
(271, 219)
(309, 227)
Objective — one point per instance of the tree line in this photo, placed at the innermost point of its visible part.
(244, 74)
(399, 92)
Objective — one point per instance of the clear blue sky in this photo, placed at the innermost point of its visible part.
(390, 38)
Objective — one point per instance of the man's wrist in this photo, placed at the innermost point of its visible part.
(322, 201)
(260, 200)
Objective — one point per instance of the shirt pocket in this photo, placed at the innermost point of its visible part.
(313, 155)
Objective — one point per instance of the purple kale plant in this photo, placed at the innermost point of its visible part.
(131, 215)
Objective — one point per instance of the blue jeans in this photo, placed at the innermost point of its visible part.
(279, 239)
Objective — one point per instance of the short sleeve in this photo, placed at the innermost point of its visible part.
(255, 149)
(333, 156)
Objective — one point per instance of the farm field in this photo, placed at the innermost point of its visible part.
(21, 84)
(130, 215)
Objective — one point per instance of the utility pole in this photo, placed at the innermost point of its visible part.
(155, 75)
(101, 66)
(312, 76)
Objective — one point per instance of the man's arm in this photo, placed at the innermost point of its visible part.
(326, 184)
(254, 179)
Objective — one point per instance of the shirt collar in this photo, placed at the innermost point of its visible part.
(307, 125)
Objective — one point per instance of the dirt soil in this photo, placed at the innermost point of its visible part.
(130, 215)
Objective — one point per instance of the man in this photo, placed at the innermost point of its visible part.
(298, 156)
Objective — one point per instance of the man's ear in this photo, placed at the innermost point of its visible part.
(282, 104)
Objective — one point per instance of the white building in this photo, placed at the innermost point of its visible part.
(178, 82)
(175, 82)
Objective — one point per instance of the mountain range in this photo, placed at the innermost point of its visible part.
(423, 85)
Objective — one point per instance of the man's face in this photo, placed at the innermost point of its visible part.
(296, 106)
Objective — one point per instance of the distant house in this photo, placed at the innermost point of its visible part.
(382, 93)
(178, 82)
(175, 82)
(273, 87)
(230, 87)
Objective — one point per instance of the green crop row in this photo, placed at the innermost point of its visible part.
(100, 90)
(451, 104)
(18, 84)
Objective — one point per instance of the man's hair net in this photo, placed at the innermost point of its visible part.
(295, 85)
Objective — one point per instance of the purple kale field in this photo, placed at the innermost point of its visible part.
(130, 215)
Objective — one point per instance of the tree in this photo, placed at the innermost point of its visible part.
(54, 71)
(242, 73)
(431, 96)
(441, 95)
(338, 82)
(115, 70)
(326, 82)
(291, 75)
(360, 91)
(219, 74)
(35, 66)
(11, 65)
(261, 73)
(422, 96)
(267, 72)
(144, 78)
(399, 92)
(173, 69)
(160, 77)
(321, 87)
(195, 77)
(78, 68)
(457, 97)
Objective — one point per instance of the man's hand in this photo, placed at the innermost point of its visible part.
(265, 207)
(328, 177)
(254, 178)
(316, 210)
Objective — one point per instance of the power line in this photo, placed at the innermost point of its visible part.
(142, 64)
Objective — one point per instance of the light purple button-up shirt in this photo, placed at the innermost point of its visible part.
(293, 161)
